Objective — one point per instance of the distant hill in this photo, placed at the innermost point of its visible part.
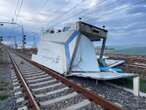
(133, 51)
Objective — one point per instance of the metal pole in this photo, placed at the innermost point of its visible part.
(102, 48)
(23, 46)
(34, 45)
(15, 42)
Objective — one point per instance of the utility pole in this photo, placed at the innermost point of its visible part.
(34, 45)
(15, 42)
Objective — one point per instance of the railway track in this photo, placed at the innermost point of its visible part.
(39, 88)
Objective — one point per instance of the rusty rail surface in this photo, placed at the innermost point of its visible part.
(32, 102)
(107, 105)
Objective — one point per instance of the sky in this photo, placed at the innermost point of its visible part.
(125, 20)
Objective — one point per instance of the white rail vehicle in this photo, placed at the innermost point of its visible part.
(71, 52)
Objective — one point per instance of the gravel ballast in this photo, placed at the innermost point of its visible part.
(122, 98)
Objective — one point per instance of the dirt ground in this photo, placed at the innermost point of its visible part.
(129, 65)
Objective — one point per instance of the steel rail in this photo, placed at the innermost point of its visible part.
(33, 104)
(107, 105)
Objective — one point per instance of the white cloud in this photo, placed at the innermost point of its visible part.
(36, 14)
(92, 3)
(114, 13)
(30, 17)
(7, 9)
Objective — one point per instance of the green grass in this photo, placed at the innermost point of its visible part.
(3, 97)
(128, 83)
(143, 85)
(3, 90)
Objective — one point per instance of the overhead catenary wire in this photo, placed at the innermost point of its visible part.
(83, 13)
(45, 3)
(67, 12)
(18, 8)
(42, 7)
(67, 16)
(79, 14)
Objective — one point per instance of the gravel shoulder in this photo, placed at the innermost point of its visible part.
(118, 96)
(6, 90)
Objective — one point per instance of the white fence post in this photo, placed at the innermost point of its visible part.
(136, 86)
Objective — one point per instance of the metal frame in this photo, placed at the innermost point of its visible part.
(22, 30)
